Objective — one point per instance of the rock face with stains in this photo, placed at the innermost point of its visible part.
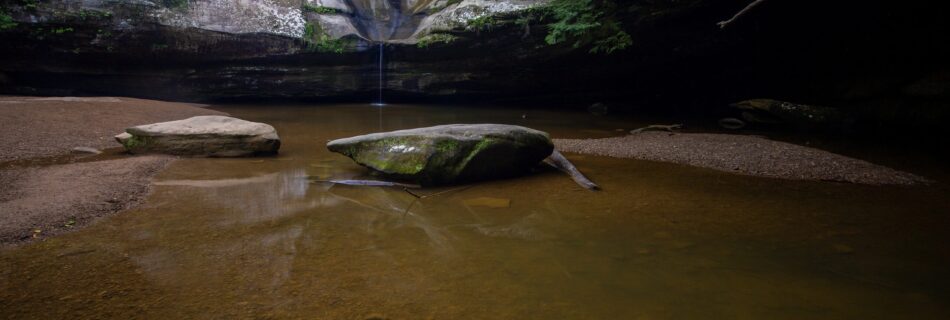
(209, 136)
(449, 153)
(226, 49)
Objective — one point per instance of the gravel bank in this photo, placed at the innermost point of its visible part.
(750, 155)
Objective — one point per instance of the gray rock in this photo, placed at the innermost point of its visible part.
(449, 153)
(211, 136)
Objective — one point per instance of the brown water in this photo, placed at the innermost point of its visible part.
(253, 238)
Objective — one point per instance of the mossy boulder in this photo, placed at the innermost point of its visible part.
(449, 153)
(207, 136)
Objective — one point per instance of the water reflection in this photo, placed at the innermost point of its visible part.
(392, 209)
(526, 229)
(258, 198)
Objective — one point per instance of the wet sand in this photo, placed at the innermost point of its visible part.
(32, 127)
(49, 189)
(45, 201)
(741, 154)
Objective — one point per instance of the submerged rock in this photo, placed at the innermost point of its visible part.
(731, 123)
(448, 153)
(212, 136)
(490, 202)
(598, 109)
(773, 111)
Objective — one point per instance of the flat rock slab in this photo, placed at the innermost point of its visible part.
(750, 155)
(211, 136)
(449, 153)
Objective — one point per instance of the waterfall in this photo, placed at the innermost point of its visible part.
(379, 97)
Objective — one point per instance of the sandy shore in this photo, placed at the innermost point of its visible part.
(749, 155)
(50, 126)
(45, 190)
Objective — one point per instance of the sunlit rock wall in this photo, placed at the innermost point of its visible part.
(283, 17)
(458, 16)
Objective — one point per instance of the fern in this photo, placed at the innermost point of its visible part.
(585, 22)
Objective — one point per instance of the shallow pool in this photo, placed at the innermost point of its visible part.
(257, 238)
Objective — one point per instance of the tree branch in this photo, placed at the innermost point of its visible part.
(557, 160)
(723, 24)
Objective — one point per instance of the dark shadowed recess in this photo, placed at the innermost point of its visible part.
(859, 56)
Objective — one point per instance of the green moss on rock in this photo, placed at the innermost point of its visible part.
(448, 154)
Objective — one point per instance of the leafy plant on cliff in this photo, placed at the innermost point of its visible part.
(319, 40)
(29, 5)
(6, 21)
(174, 3)
(61, 30)
(586, 22)
(435, 38)
(84, 14)
(482, 23)
(319, 9)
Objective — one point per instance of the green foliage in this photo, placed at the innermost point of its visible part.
(84, 14)
(29, 4)
(434, 38)
(41, 33)
(482, 23)
(61, 30)
(618, 41)
(309, 30)
(319, 9)
(585, 22)
(6, 21)
(574, 18)
(174, 3)
(320, 41)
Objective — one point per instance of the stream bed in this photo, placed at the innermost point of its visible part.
(258, 238)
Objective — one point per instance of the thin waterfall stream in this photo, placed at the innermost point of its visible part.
(379, 99)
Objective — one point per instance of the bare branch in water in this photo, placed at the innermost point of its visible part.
(370, 183)
(558, 161)
(659, 127)
(412, 193)
(420, 197)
